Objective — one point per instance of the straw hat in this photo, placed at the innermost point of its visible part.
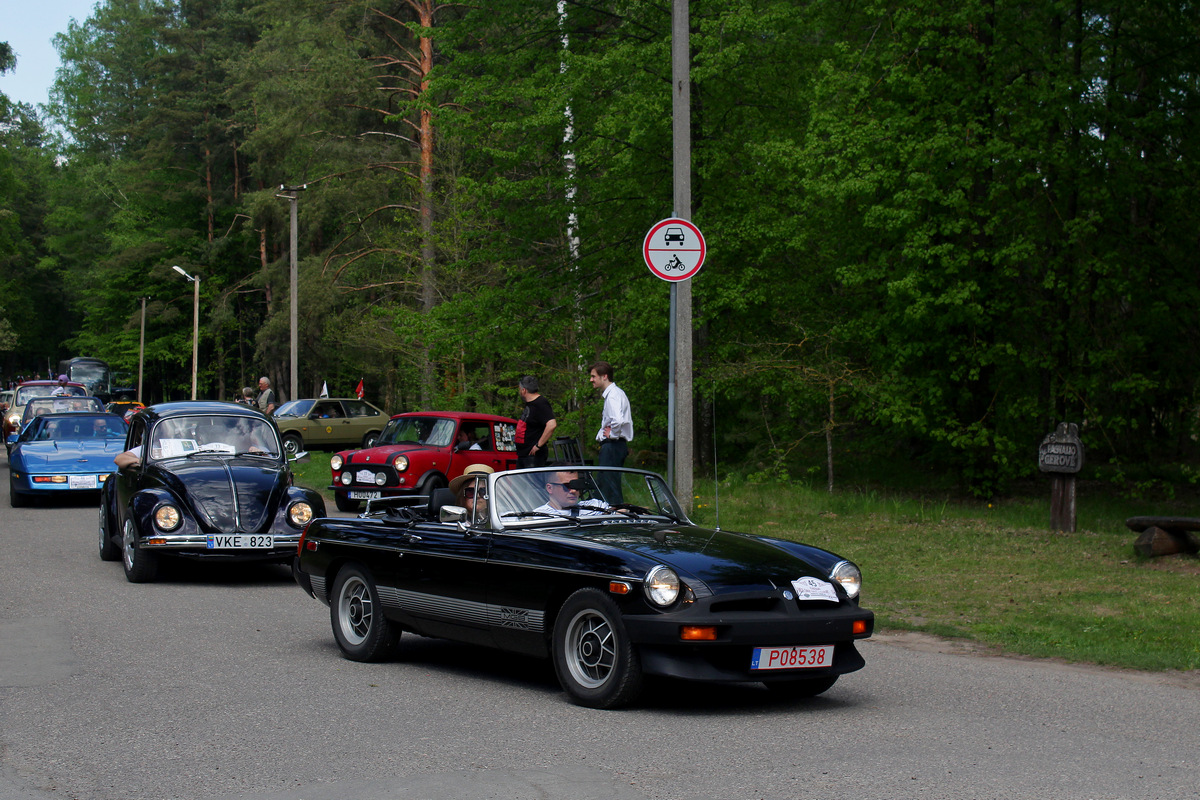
(469, 474)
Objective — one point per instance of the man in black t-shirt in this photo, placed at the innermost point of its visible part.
(535, 427)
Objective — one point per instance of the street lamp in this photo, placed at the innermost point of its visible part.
(195, 323)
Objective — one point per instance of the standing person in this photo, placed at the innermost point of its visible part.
(616, 428)
(62, 390)
(266, 396)
(247, 398)
(536, 425)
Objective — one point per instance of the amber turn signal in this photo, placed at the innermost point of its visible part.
(860, 626)
(698, 633)
(619, 587)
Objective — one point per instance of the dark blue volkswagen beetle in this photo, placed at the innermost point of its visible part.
(208, 480)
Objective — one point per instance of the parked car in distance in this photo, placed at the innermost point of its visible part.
(421, 451)
(65, 453)
(27, 389)
(6, 398)
(329, 423)
(126, 408)
(596, 568)
(212, 483)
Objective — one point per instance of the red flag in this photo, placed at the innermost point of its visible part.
(359, 390)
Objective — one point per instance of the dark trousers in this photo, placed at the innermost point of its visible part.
(538, 459)
(613, 453)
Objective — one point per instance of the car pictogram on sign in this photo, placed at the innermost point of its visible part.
(673, 235)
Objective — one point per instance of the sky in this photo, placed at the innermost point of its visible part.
(28, 26)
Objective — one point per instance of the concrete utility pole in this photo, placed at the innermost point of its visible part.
(195, 281)
(681, 434)
(292, 195)
(141, 352)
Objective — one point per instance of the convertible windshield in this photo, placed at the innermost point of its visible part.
(25, 393)
(62, 427)
(580, 493)
(213, 434)
(429, 431)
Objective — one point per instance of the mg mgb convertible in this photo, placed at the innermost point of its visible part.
(597, 568)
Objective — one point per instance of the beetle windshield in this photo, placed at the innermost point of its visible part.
(429, 431)
(582, 493)
(217, 434)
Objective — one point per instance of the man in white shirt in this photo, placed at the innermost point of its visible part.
(562, 498)
(616, 428)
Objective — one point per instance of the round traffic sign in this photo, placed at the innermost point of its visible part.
(674, 249)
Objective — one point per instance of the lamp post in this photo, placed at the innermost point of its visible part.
(292, 195)
(195, 323)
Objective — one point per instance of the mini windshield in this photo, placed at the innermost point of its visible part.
(582, 494)
(25, 393)
(429, 431)
(213, 434)
(294, 408)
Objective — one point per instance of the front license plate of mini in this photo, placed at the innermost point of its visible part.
(808, 657)
(365, 495)
(239, 541)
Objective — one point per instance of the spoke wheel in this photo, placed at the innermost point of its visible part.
(593, 657)
(362, 631)
(140, 566)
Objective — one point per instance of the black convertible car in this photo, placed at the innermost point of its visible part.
(599, 569)
(211, 482)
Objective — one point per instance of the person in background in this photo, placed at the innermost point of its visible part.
(247, 398)
(266, 396)
(470, 493)
(536, 426)
(616, 428)
(62, 388)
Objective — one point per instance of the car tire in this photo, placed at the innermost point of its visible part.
(344, 503)
(431, 484)
(16, 499)
(140, 566)
(594, 659)
(369, 439)
(292, 443)
(798, 690)
(362, 631)
(108, 550)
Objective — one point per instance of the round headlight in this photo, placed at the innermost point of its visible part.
(849, 576)
(662, 586)
(167, 518)
(346, 478)
(335, 463)
(299, 514)
(380, 479)
(400, 463)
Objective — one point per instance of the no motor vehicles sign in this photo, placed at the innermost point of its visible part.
(674, 249)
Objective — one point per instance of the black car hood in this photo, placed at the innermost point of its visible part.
(725, 561)
(227, 494)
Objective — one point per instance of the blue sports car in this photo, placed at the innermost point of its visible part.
(69, 452)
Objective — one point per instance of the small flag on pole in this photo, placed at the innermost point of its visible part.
(324, 389)
(359, 390)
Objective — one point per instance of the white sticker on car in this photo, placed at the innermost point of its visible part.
(810, 588)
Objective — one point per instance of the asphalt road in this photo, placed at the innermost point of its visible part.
(218, 683)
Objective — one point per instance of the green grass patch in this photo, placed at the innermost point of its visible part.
(994, 573)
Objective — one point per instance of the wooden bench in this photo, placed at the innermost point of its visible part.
(1164, 536)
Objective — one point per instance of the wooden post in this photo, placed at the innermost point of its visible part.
(1062, 503)
(1061, 454)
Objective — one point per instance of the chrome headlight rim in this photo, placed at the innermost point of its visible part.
(400, 463)
(167, 517)
(662, 586)
(849, 576)
(299, 513)
(336, 462)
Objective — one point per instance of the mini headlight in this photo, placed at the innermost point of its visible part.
(661, 586)
(167, 518)
(346, 478)
(335, 463)
(400, 463)
(299, 514)
(849, 577)
(380, 479)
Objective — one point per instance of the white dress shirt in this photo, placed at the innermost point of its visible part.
(616, 415)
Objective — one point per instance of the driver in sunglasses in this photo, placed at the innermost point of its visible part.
(562, 498)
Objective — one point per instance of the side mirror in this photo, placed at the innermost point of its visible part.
(301, 457)
(452, 514)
